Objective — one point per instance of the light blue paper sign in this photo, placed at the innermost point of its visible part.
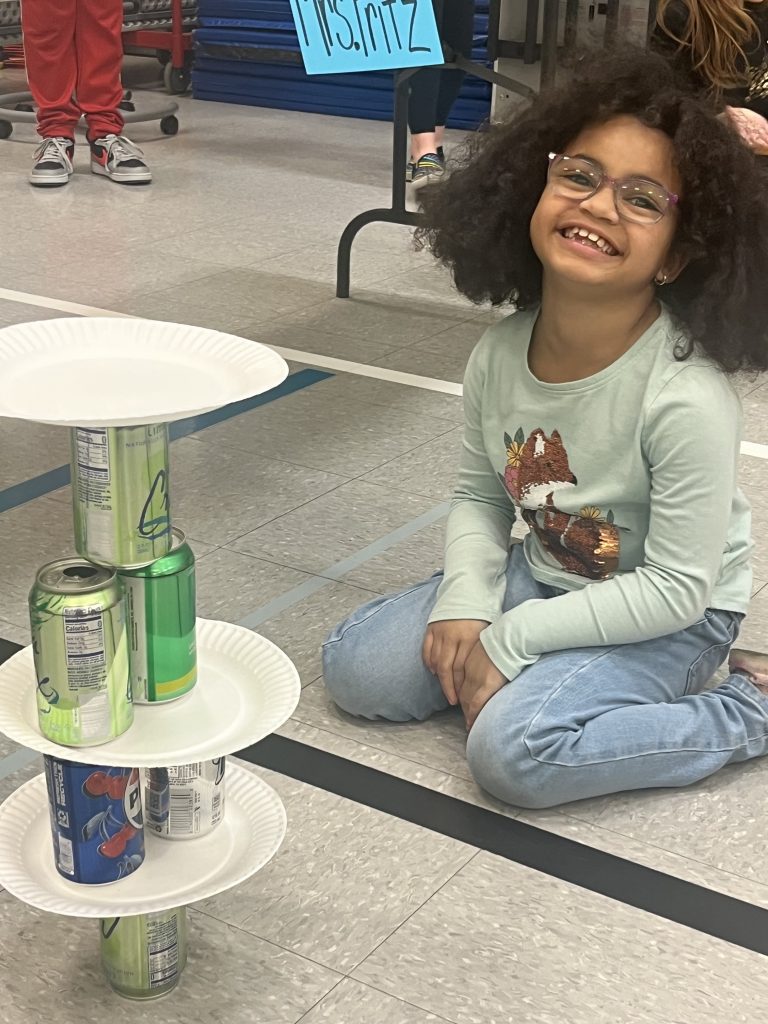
(366, 35)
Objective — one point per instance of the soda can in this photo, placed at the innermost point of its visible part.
(160, 612)
(96, 820)
(80, 649)
(120, 494)
(185, 801)
(143, 956)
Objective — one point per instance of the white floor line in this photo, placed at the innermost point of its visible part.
(26, 299)
(757, 451)
(413, 380)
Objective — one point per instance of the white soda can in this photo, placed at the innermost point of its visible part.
(184, 801)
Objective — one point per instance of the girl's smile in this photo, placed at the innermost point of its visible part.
(589, 242)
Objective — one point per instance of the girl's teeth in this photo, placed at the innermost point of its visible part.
(590, 236)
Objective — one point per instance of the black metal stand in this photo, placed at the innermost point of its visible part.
(397, 213)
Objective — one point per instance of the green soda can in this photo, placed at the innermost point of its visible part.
(120, 494)
(160, 610)
(143, 956)
(80, 649)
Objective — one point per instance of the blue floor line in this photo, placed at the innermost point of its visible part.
(28, 490)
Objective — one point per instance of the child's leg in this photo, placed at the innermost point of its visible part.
(100, 60)
(372, 662)
(600, 720)
(49, 49)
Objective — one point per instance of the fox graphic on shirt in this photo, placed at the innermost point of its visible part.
(538, 469)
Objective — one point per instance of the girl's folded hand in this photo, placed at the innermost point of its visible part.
(447, 646)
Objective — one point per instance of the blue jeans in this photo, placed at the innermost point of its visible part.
(576, 724)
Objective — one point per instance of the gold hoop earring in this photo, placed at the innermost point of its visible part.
(661, 279)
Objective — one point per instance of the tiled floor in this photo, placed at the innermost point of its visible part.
(361, 918)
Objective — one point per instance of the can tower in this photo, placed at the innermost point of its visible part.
(159, 927)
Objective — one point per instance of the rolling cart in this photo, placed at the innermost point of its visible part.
(172, 45)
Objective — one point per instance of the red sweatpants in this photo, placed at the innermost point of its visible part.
(74, 54)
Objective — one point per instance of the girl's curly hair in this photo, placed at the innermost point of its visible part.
(477, 222)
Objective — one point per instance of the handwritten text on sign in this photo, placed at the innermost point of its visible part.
(366, 35)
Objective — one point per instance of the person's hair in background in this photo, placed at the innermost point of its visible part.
(720, 47)
(717, 34)
(477, 221)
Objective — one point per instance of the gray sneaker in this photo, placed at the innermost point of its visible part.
(53, 163)
(119, 159)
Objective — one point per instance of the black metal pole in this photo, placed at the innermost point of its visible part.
(400, 138)
(531, 31)
(549, 43)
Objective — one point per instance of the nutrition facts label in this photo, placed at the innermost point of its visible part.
(184, 816)
(162, 949)
(93, 453)
(93, 471)
(186, 772)
(84, 647)
(196, 797)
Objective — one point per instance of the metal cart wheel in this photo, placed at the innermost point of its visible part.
(169, 125)
(177, 80)
(6, 129)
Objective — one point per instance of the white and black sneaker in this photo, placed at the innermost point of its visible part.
(118, 158)
(53, 163)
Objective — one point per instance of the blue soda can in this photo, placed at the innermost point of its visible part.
(96, 820)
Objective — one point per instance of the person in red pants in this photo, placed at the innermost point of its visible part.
(74, 54)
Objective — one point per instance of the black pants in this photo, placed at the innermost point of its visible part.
(433, 92)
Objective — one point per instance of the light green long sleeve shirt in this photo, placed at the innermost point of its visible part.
(627, 481)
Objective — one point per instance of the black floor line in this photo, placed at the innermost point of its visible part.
(674, 899)
(7, 649)
(625, 881)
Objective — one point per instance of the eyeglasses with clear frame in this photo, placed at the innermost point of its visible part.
(639, 200)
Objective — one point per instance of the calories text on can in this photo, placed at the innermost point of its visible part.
(185, 801)
(96, 820)
(120, 494)
(160, 613)
(143, 956)
(80, 648)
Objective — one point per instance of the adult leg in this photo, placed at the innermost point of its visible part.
(372, 662)
(422, 112)
(51, 59)
(98, 37)
(592, 721)
(457, 31)
(422, 104)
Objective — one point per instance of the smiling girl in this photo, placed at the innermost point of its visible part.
(630, 229)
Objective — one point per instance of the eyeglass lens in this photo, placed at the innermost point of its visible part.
(637, 199)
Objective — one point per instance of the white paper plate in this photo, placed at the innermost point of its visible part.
(107, 372)
(247, 687)
(173, 873)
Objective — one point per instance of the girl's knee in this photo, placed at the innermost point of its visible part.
(372, 661)
(502, 765)
(347, 678)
